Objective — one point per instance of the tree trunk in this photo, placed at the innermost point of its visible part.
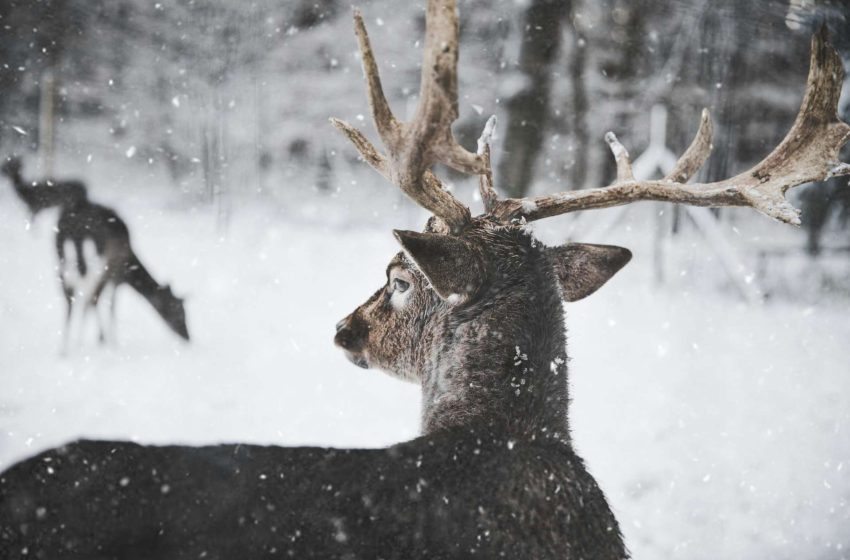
(46, 121)
(580, 106)
(528, 109)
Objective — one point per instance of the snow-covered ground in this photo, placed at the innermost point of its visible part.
(717, 429)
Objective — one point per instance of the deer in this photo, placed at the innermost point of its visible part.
(472, 311)
(95, 257)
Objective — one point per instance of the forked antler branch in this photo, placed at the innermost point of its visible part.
(413, 147)
(808, 153)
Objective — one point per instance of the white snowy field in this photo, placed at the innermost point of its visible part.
(717, 429)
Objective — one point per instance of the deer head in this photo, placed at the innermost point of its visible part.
(476, 319)
(11, 167)
(171, 309)
(472, 306)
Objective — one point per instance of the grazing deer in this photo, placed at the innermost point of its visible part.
(471, 310)
(95, 257)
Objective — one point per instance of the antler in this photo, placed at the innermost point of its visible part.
(414, 146)
(809, 152)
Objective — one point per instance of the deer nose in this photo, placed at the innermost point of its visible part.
(344, 339)
(348, 335)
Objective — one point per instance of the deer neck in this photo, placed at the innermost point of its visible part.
(17, 180)
(500, 364)
(138, 277)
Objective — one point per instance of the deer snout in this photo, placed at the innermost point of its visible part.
(350, 334)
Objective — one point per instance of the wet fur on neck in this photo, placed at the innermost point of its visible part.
(500, 359)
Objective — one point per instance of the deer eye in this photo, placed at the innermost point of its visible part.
(400, 285)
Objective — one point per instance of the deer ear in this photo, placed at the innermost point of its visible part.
(583, 268)
(449, 263)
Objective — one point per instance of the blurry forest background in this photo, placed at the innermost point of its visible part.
(222, 101)
(718, 423)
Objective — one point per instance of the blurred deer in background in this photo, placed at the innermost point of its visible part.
(471, 310)
(41, 195)
(95, 257)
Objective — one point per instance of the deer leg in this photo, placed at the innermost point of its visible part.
(70, 278)
(76, 281)
(103, 301)
(113, 335)
(96, 303)
(99, 301)
(101, 321)
(82, 313)
(75, 320)
(92, 276)
(69, 302)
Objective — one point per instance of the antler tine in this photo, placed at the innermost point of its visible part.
(809, 152)
(370, 154)
(815, 139)
(696, 154)
(380, 164)
(485, 180)
(621, 156)
(413, 147)
(438, 107)
(385, 122)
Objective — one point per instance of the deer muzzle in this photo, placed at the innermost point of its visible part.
(351, 335)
